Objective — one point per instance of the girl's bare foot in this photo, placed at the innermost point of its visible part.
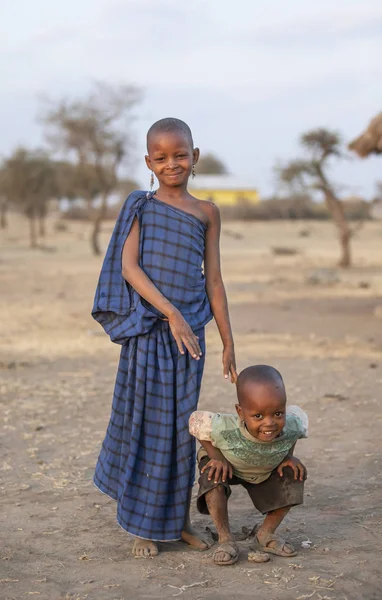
(144, 548)
(201, 541)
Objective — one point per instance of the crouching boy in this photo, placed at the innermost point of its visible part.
(254, 449)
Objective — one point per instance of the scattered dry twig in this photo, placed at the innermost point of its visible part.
(186, 587)
(305, 596)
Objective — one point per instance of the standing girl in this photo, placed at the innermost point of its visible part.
(153, 299)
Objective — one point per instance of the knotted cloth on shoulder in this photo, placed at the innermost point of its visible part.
(171, 254)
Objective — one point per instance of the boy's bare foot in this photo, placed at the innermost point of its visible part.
(227, 553)
(196, 539)
(274, 544)
(144, 549)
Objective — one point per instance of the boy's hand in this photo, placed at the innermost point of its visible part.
(229, 363)
(221, 468)
(294, 463)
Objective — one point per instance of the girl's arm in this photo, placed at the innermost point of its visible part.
(216, 291)
(137, 278)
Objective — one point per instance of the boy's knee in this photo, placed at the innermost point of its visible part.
(288, 475)
(211, 497)
(219, 489)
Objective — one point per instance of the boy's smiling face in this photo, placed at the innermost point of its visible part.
(262, 408)
(171, 156)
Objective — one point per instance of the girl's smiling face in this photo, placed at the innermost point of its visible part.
(170, 157)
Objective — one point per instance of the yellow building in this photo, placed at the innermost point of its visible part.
(224, 190)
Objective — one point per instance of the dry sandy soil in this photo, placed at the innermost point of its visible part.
(60, 539)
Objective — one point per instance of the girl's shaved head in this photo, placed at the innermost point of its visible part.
(170, 124)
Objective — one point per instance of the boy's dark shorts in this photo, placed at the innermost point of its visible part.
(273, 493)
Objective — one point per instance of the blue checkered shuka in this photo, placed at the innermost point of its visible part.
(147, 460)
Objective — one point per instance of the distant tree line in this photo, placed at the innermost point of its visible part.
(89, 140)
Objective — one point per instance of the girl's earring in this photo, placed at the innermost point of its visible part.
(151, 181)
(193, 171)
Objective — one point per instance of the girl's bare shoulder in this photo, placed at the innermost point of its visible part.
(210, 211)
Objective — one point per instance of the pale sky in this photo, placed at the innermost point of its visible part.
(247, 76)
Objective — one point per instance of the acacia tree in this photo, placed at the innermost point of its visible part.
(95, 132)
(370, 142)
(321, 146)
(210, 164)
(28, 182)
(73, 182)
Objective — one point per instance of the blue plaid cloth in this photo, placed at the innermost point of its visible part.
(147, 460)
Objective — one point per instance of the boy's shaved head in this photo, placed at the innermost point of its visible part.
(170, 124)
(259, 374)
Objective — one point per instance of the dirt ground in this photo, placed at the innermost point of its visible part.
(319, 326)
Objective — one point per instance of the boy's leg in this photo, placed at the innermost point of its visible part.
(213, 500)
(217, 504)
(265, 533)
(274, 498)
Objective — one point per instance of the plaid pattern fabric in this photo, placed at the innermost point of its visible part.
(171, 254)
(147, 460)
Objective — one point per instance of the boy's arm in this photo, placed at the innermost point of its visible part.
(290, 453)
(295, 464)
(213, 453)
(200, 426)
(217, 464)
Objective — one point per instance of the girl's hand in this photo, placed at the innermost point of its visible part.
(229, 363)
(184, 336)
(221, 467)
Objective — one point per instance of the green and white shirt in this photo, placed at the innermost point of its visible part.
(252, 460)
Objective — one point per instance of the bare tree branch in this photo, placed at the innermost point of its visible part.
(94, 132)
(311, 173)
